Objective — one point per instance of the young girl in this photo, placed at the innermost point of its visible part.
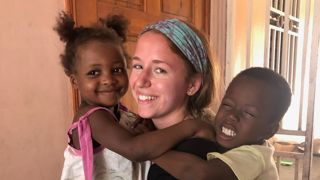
(250, 112)
(95, 61)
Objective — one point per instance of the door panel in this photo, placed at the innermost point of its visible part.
(139, 13)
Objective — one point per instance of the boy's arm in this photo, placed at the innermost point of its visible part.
(187, 166)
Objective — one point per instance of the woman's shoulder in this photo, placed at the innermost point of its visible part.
(206, 115)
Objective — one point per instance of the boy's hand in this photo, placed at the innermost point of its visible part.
(142, 125)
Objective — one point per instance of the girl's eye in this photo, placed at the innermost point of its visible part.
(160, 71)
(93, 73)
(118, 70)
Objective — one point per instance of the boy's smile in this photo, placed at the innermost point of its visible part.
(244, 115)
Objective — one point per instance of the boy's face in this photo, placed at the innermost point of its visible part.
(100, 73)
(245, 114)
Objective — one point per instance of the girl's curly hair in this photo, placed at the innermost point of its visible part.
(111, 29)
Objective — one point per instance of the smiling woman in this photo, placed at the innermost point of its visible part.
(171, 81)
(159, 81)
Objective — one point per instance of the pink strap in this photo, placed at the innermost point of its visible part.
(84, 133)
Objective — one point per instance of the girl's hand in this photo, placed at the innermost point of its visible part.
(203, 129)
(142, 125)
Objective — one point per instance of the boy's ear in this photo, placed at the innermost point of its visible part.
(73, 81)
(273, 130)
(195, 84)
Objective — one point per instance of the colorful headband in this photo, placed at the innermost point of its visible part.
(185, 39)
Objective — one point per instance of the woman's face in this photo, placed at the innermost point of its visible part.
(159, 81)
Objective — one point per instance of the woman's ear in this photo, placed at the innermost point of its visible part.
(73, 81)
(195, 84)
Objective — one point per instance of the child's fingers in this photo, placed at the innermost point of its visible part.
(142, 126)
(206, 131)
(137, 122)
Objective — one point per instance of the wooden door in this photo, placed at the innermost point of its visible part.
(139, 13)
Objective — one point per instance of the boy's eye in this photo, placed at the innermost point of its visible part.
(248, 115)
(160, 71)
(226, 104)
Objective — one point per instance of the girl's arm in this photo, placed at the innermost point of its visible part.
(187, 166)
(107, 132)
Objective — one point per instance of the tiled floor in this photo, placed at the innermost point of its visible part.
(287, 172)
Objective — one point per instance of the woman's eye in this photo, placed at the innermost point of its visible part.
(160, 71)
(136, 66)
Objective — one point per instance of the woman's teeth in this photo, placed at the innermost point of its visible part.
(144, 98)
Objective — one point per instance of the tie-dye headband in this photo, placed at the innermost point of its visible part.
(185, 39)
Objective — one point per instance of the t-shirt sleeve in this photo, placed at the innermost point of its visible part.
(246, 162)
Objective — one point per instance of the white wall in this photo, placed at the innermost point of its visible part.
(245, 35)
(35, 108)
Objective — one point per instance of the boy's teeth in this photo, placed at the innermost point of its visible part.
(143, 97)
(228, 132)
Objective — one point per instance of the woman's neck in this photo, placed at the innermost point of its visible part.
(169, 119)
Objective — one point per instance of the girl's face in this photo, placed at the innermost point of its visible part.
(159, 81)
(100, 73)
(244, 116)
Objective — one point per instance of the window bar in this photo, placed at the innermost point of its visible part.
(267, 38)
(278, 160)
(304, 57)
(273, 49)
(294, 69)
(284, 57)
(311, 91)
(275, 4)
(289, 61)
(293, 8)
(298, 9)
(277, 64)
(275, 52)
(281, 5)
(296, 168)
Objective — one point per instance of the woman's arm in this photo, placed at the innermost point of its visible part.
(186, 166)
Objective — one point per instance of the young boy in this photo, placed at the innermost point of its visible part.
(254, 103)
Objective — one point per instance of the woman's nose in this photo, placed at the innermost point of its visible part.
(143, 79)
